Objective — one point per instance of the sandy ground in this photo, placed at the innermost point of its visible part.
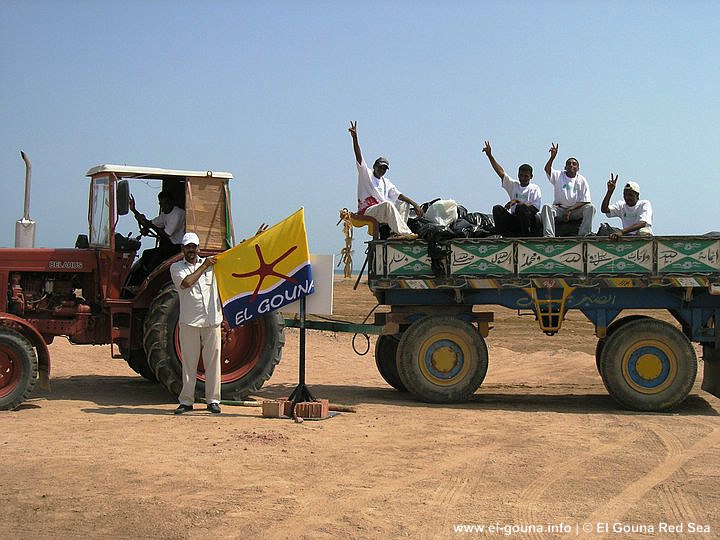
(541, 444)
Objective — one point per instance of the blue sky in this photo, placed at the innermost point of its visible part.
(266, 91)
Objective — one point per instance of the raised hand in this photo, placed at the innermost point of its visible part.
(487, 148)
(612, 182)
(553, 150)
(209, 261)
(353, 128)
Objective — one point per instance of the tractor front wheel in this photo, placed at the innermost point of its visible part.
(18, 368)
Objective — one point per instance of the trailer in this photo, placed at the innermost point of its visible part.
(432, 340)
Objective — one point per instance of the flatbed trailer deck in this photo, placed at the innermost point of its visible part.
(432, 341)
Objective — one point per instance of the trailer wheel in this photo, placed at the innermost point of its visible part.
(249, 352)
(18, 368)
(617, 323)
(648, 365)
(442, 359)
(386, 348)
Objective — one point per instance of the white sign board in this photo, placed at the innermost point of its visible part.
(319, 302)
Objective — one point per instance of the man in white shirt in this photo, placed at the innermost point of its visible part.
(378, 197)
(571, 197)
(636, 214)
(170, 222)
(518, 216)
(199, 324)
(169, 227)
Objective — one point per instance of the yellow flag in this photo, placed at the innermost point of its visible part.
(265, 272)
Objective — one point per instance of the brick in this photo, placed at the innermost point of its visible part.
(313, 409)
(276, 408)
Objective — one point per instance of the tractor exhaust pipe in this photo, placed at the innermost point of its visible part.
(25, 227)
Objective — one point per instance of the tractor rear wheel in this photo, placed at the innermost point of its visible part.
(137, 360)
(249, 352)
(18, 368)
(386, 361)
(442, 359)
(648, 365)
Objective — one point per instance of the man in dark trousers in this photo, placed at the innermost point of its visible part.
(518, 216)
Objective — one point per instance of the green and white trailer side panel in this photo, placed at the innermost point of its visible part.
(678, 260)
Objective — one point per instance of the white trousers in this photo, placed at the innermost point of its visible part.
(549, 213)
(193, 341)
(394, 216)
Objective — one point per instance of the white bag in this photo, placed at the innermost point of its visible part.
(442, 212)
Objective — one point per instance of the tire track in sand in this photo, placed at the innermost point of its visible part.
(349, 502)
(675, 460)
(531, 497)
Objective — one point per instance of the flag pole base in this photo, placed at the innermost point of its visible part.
(301, 394)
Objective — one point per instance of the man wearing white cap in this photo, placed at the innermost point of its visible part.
(378, 197)
(199, 323)
(636, 214)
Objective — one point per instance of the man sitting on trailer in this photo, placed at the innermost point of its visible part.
(378, 197)
(636, 214)
(518, 216)
(572, 197)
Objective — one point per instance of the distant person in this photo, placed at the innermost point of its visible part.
(198, 324)
(169, 227)
(378, 197)
(571, 197)
(518, 216)
(636, 214)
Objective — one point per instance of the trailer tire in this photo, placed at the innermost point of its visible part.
(18, 368)
(617, 323)
(648, 365)
(249, 353)
(442, 359)
(386, 348)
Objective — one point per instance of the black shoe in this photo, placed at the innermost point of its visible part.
(183, 409)
(214, 408)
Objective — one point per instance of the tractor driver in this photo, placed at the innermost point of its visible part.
(169, 228)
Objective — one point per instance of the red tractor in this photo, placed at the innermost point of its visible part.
(97, 293)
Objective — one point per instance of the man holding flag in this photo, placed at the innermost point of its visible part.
(199, 323)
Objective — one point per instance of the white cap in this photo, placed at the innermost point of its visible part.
(190, 238)
(633, 186)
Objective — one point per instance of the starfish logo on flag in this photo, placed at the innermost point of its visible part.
(265, 272)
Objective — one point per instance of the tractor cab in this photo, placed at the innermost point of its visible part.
(202, 196)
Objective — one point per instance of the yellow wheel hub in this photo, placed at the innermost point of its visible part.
(444, 359)
(649, 366)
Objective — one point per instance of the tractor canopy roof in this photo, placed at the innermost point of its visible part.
(131, 171)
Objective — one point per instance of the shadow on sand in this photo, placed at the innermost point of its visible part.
(124, 395)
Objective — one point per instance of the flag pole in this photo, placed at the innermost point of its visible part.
(301, 392)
